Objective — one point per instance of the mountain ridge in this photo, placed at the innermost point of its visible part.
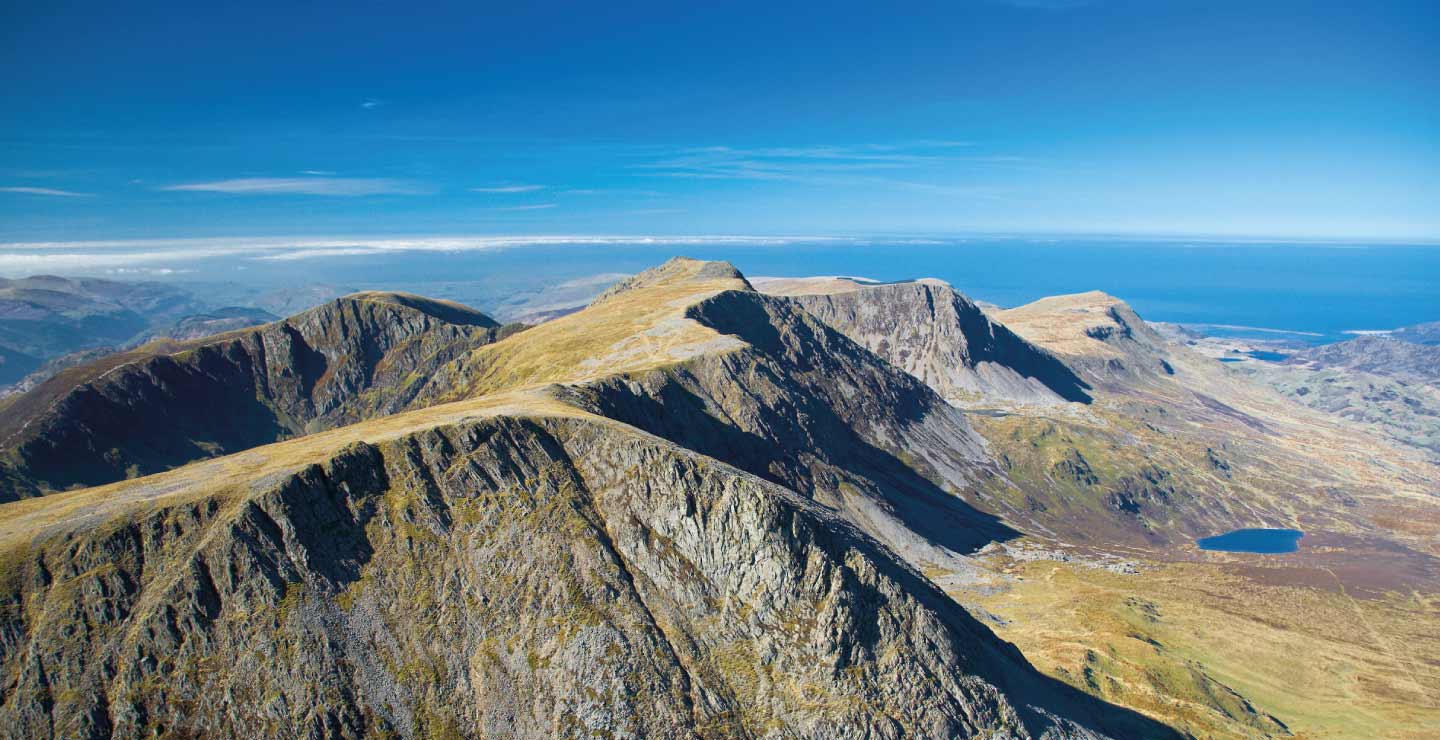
(229, 391)
(544, 540)
(935, 333)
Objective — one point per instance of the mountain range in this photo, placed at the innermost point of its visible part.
(698, 507)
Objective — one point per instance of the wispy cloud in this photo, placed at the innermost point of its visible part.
(508, 189)
(613, 191)
(371, 103)
(24, 190)
(20, 258)
(322, 173)
(532, 207)
(908, 166)
(335, 186)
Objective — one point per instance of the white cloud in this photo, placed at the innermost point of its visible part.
(905, 166)
(85, 257)
(322, 173)
(534, 207)
(508, 189)
(336, 186)
(23, 190)
(371, 103)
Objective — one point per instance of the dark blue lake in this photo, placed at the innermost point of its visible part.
(1267, 541)
(1267, 356)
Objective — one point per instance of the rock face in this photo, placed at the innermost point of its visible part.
(936, 334)
(803, 406)
(166, 404)
(503, 577)
(664, 516)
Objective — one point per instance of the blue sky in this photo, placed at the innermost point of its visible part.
(1267, 119)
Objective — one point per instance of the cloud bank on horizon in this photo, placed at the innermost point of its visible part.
(166, 256)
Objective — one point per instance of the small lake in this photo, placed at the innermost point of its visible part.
(1267, 356)
(1267, 541)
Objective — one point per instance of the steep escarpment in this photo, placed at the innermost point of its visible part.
(931, 331)
(518, 575)
(802, 405)
(168, 403)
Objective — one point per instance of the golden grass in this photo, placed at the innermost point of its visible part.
(1059, 323)
(1170, 642)
(636, 330)
(628, 332)
(232, 474)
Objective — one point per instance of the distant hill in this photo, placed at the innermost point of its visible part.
(1390, 354)
(170, 402)
(218, 321)
(45, 316)
(1426, 333)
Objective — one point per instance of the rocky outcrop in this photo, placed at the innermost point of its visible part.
(1097, 334)
(509, 576)
(804, 406)
(168, 403)
(936, 334)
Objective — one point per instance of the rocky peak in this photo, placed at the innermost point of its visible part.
(935, 333)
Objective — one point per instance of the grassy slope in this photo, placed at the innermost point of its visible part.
(617, 336)
(1194, 643)
(1339, 640)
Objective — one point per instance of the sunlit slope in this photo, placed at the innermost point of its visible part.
(1177, 445)
(637, 325)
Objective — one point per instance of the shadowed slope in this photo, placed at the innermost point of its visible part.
(690, 352)
(167, 403)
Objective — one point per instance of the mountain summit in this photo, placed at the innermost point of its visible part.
(938, 335)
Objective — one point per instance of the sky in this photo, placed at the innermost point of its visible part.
(144, 120)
